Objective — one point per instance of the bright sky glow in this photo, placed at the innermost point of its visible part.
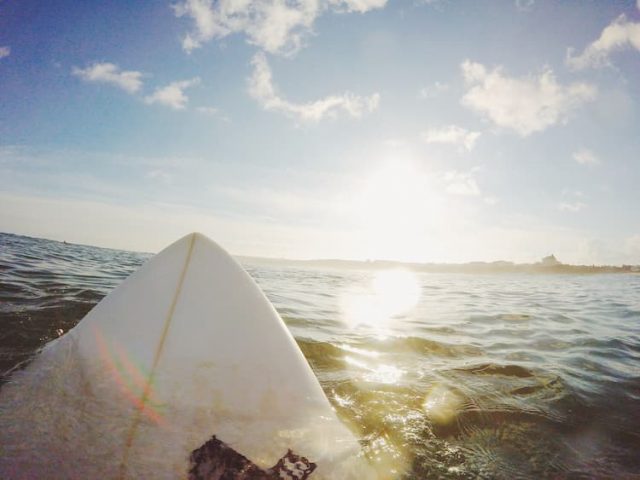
(437, 131)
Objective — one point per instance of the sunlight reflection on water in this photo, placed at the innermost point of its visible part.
(377, 303)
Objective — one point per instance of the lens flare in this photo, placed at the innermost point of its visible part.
(130, 378)
(441, 405)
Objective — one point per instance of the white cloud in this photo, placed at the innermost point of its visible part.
(586, 157)
(525, 104)
(452, 134)
(5, 51)
(172, 95)
(434, 90)
(573, 207)
(618, 35)
(276, 26)
(273, 25)
(129, 81)
(262, 89)
(461, 183)
(360, 6)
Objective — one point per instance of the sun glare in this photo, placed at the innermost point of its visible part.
(397, 290)
(388, 295)
(396, 208)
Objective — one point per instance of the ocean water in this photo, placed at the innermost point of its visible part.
(441, 376)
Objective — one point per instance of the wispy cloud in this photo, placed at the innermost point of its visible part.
(205, 27)
(452, 134)
(128, 80)
(172, 95)
(5, 51)
(620, 34)
(433, 90)
(573, 201)
(522, 104)
(275, 26)
(262, 89)
(208, 110)
(461, 183)
(359, 6)
(336, 217)
(213, 112)
(160, 176)
(573, 207)
(586, 157)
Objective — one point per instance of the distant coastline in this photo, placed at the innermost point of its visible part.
(548, 265)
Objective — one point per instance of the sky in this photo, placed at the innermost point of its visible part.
(417, 130)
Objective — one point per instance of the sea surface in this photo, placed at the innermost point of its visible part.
(442, 376)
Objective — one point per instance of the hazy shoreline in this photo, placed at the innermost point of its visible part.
(548, 265)
(496, 267)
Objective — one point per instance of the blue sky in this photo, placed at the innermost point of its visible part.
(409, 130)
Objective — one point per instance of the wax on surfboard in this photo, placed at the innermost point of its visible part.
(186, 348)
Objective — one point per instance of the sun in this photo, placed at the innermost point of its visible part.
(396, 209)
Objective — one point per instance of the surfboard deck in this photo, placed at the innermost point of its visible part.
(186, 348)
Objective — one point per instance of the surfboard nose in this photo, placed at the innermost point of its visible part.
(185, 348)
(200, 238)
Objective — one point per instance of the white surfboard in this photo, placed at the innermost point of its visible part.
(186, 348)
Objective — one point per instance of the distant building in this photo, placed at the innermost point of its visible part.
(550, 261)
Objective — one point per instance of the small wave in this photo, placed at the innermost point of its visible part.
(495, 369)
(423, 346)
(322, 355)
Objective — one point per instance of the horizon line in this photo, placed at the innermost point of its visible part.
(368, 262)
